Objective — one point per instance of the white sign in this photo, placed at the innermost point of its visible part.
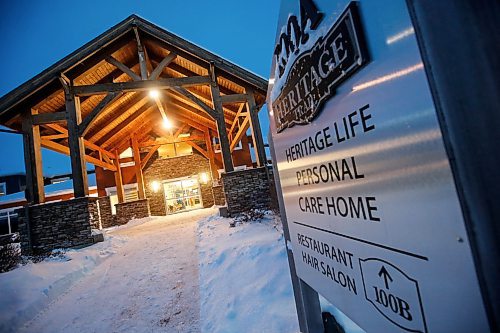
(374, 218)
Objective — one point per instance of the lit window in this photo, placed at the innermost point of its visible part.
(176, 149)
(3, 189)
(166, 151)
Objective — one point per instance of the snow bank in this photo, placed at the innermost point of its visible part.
(245, 284)
(30, 288)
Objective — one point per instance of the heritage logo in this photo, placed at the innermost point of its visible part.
(316, 73)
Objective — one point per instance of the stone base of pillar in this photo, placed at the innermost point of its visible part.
(218, 192)
(246, 189)
(53, 225)
(105, 213)
(127, 211)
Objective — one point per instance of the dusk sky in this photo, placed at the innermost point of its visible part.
(36, 34)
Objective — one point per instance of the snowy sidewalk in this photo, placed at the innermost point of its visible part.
(149, 285)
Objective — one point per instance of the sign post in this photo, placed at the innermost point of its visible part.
(373, 206)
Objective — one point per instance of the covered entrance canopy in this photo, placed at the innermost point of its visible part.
(98, 101)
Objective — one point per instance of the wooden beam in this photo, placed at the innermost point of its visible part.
(164, 63)
(87, 143)
(189, 107)
(191, 120)
(103, 88)
(54, 136)
(120, 110)
(186, 72)
(228, 112)
(150, 154)
(137, 167)
(141, 127)
(241, 132)
(198, 148)
(118, 179)
(211, 155)
(185, 49)
(258, 141)
(142, 56)
(47, 118)
(91, 117)
(234, 98)
(219, 119)
(32, 159)
(169, 141)
(62, 149)
(125, 123)
(106, 158)
(180, 129)
(183, 91)
(76, 147)
(123, 68)
(159, 104)
(236, 118)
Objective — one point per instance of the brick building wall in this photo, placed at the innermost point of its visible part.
(59, 224)
(160, 169)
(127, 211)
(246, 189)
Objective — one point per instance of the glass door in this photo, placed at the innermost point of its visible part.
(182, 195)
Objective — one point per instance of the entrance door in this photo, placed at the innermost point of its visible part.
(182, 195)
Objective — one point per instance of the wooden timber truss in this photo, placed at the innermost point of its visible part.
(94, 104)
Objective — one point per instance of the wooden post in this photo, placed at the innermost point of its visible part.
(211, 155)
(221, 125)
(33, 160)
(138, 170)
(118, 179)
(258, 142)
(76, 145)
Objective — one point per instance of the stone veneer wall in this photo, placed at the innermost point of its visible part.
(219, 198)
(127, 211)
(246, 189)
(160, 169)
(107, 218)
(60, 224)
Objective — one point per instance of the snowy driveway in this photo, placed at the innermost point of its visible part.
(149, 285)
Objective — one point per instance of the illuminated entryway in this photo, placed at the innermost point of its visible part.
(182, 194)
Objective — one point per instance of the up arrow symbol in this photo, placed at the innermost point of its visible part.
(385, 274)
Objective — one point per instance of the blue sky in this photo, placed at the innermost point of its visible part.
(36, 34)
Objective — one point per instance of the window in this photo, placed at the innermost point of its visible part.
(216, 145)
(3, 189)
(130, 191)
(175, 149)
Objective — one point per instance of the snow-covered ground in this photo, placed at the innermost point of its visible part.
(188, 272)
(245, 281)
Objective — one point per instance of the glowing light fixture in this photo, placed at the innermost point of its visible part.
(167, 123)
(154, 93)
(155, 186)
(204, 178)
